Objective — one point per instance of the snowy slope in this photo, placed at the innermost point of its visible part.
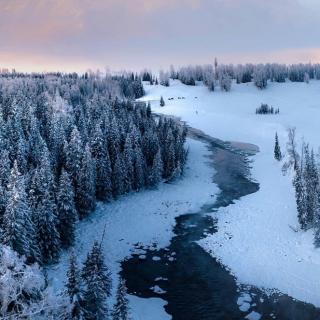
(255, 237)
(145, 217)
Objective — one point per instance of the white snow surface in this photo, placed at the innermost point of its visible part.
(145, 218)
(144, 309)
(263, 249)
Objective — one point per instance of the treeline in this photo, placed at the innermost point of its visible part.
(67, 142)
(222, 75)
(306, 182)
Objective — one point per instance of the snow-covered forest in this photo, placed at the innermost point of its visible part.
(68, 141)
(222, 75)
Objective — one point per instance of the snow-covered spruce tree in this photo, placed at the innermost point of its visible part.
(97, 282)
(128, 169)
(121, 307)
(311, 182)
(118, 176)
(162, 103)
(73, 155)
(44, 210)
(18, 230)
(4, 168)
(85, 190)
(277, 151)
(148, 109)
(66, 211)
(300, 197)
(73, 290)
(155, 173)
(103, 166)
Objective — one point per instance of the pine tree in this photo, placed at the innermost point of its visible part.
(169, 156)
(118, 176)
(4, 168)
(277, 151)
(73, 289)
(162, 103)
(66, 210)
(155, 174)
(96, 277)
(139, 168)
(300, 197)
(44, 216)
(103, 165)
(311, 182)
(121, 308)
(73, 153)
(18, 229)
(86, 189)
(149, 110)
(128, 165)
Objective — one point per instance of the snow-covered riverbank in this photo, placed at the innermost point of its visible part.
(147, 218)
(256, 238)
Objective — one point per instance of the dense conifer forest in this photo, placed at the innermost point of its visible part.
(66, 142)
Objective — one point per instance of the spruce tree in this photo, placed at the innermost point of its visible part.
(103, 165)
(162, 103)
(118, 176)
(277, 151)
(66, 210)
(96, 277)
(155, 174)
(4, 168)
(121, 308)
(44, 216)
(73, 289)
(86, 189)
(128, 165)
(300, 197)
(73, 154)
(18, 229)
(148, 109)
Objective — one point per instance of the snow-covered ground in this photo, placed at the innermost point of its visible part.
(255, 237)
(145, 217)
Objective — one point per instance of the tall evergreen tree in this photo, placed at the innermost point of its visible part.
(73, 153)
(85, 191)
(4, 168)
(96, 277)
(18, 229)
(162, 103)
(277, 151)
(73, 289)
(300, 197)
(44, 215)
(103, 165)
(66, 210)
(121, 308)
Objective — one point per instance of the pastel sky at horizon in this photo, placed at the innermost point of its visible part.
(75, 35)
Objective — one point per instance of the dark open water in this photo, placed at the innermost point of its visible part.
(194, 284)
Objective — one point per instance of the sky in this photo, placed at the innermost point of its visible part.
(75, 35)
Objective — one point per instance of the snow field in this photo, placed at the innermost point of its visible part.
(263, 249)
(144, 218)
